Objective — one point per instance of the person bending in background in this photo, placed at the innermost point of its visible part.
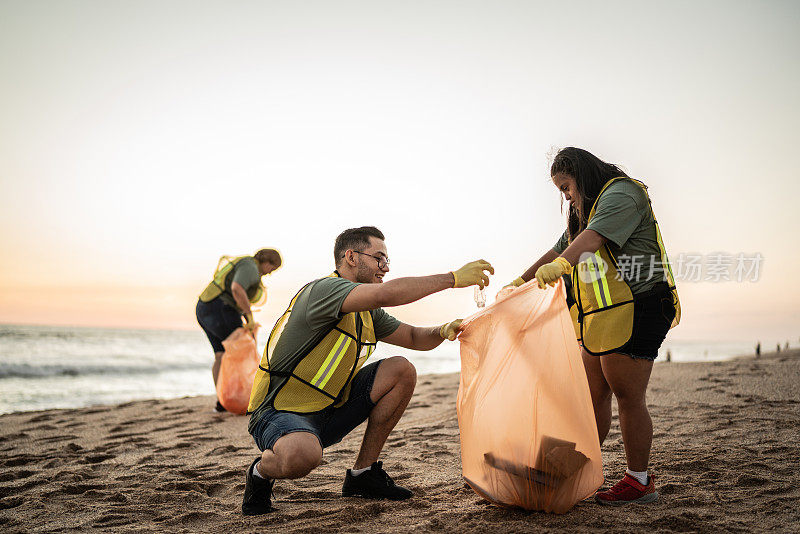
(312, 387)
(223, 303)
(622, 297)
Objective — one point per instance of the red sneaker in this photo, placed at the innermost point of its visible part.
(628, 490)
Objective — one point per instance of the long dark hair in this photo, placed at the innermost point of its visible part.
(590, 174)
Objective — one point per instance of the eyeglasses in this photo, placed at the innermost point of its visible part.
(383, 263)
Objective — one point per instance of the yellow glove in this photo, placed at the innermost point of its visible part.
(450, 330)
(472, 274)
(251, 325)
(516, 283)
(548, 275)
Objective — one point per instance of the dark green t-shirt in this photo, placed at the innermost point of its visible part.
(246, 274)
(316, 310)
(623, 216)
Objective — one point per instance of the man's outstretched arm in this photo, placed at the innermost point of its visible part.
(412, 288)
(415, 337)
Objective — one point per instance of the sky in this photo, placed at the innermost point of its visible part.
(140, 141)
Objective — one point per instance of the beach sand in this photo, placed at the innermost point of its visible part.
(725, 456)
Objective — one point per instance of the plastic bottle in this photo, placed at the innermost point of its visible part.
(480, 297)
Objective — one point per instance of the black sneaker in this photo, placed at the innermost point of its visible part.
(375, 484)
(219, 407)
(257, 493)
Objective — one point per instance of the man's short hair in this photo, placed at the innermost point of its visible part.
(268, 255)
(356, 239)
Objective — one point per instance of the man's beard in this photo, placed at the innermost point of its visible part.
(364, 275)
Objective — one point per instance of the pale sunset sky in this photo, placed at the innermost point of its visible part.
(139, 141)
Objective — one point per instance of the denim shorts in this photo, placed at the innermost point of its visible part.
(330, 425)
(218, 321)
(652, 319)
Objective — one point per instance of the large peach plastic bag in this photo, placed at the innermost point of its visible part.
(237, 371)
(528, 432)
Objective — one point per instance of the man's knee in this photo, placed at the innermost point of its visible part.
(394, 374)
(298, 454)
(403, 370)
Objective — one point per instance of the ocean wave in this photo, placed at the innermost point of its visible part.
(23, 370)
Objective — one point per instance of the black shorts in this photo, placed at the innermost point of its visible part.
(330, 425)
(218, 321)
(652, 318)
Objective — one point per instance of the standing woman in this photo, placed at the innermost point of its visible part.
(226, 300)
(622, 297)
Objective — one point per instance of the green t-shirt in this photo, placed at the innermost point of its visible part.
(623, 216)
(316, 310)
(246, 274)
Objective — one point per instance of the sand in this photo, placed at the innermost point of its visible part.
(725, 455)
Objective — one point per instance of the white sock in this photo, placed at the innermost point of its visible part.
(256, 473)
(356, 472)
(640, 476)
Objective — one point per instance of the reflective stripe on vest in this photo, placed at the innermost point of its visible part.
(597, 269)
(331, 362)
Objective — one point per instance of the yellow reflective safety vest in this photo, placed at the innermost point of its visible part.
(321, 377)
(220, 283)
(602, 301)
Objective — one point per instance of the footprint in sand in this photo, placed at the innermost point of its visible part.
(16, 475)
(215, 490)
(749, 481)
(11, 502)
(96, 458)
(77, 489)
(113, 520)
(224, 449)
(20, 459)
(305, 496)
(200, 519)
(181, 411)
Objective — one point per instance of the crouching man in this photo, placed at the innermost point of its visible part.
(312, 387)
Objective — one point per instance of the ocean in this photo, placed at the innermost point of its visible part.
(43, 367)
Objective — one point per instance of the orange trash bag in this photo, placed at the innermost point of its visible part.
(237, 371)
(528, 432)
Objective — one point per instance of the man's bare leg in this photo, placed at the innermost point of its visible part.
(216, 366)
(393, 387)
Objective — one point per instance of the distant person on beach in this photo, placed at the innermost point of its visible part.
(226, 300)
(313, 388)
(622, 297)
